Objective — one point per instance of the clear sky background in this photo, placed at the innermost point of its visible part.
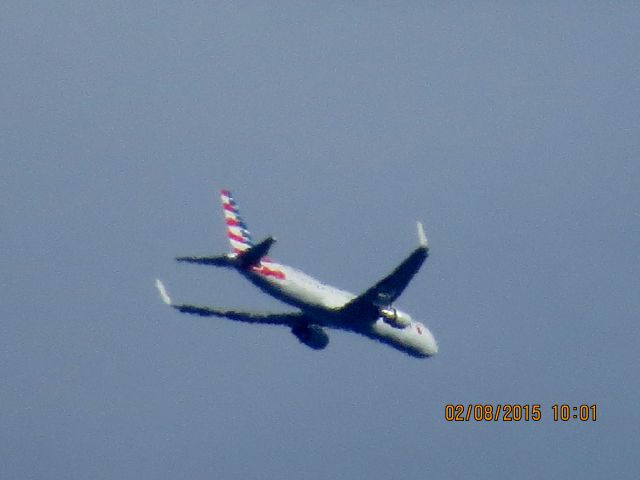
(511, 130)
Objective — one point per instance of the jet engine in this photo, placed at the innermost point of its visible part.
(313, 336)
(395, 318)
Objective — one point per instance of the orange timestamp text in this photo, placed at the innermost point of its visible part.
(516, 412)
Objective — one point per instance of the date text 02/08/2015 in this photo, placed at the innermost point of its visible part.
(517, 412)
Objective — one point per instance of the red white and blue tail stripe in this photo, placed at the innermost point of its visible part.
(237, 231)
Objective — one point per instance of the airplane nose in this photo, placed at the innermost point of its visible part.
(434, 347)
(431, 346)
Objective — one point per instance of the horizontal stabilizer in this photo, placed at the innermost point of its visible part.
(217, 261)
(253, 255)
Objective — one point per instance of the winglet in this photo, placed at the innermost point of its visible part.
(422, 238)
(163, 292)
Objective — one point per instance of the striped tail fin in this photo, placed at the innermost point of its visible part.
(237, 231)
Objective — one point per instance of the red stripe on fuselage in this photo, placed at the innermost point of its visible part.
(232, 223)
(267, 272)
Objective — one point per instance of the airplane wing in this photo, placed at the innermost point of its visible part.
(218, 261)
(387, 290)
(289, 319)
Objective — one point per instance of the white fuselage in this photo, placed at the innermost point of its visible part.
(323, 303)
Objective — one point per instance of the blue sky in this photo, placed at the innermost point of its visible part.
(511, 131)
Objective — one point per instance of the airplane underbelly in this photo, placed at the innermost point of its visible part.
(302, 292)
(298, 294)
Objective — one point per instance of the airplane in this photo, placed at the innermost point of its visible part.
(319, 306)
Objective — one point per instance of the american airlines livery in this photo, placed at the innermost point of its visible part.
(320, 306)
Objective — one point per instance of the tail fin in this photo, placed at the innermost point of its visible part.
(237, 231)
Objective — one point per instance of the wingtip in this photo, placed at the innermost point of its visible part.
(163, 292)
(422, 237)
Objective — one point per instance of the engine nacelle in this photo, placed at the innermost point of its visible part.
(395, 318)
(313, 336)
